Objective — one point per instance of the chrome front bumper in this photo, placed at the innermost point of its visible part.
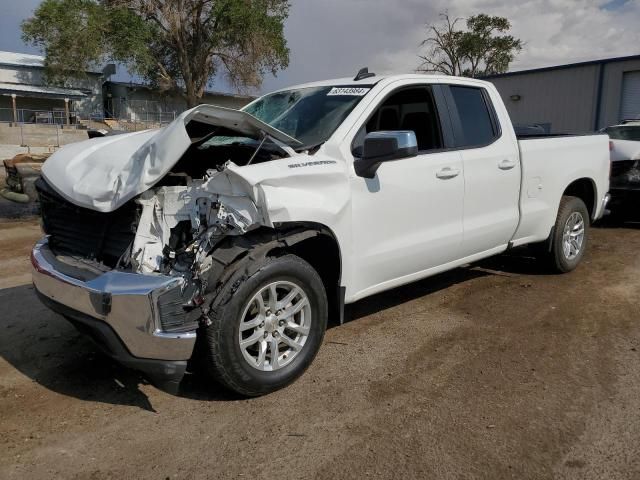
(125, 302)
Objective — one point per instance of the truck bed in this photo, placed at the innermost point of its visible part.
(549, 163)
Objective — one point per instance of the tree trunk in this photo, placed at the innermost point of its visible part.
(191, 93)
(192, 100)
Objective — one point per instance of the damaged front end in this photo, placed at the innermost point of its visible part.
(157, 202)
(167, 232)
(179, 226)
(135, 279)
(624, 184)
(127, 252)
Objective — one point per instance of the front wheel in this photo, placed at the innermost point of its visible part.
(266, 328)
(570, 237)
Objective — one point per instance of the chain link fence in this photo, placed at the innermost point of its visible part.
(142, 114)
(52, 128)
(41, 117)
(40, 135)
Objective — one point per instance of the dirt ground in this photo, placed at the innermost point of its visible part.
(493, 371)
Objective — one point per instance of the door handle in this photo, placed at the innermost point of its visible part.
(506, 165)
(447, 172)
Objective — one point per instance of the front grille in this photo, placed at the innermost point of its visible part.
(85, 233)
(175, 315)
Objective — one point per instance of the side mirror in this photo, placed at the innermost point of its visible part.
(384, 146)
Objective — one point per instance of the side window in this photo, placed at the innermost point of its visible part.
(478, 127)
(407, 109)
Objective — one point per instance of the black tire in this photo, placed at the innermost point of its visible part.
(557, 258)
(224, 359)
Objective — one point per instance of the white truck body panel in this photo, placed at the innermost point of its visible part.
(407, 223)
(549, 166)
(492, 186)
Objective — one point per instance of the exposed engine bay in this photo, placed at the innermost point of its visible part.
(169, 229)
(196, 205)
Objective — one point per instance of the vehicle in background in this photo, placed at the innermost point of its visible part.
(625, 167)
(103, 132)
(21, 172)
(625, 130)
(248, 230)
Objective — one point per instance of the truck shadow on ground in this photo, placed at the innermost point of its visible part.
(51, 352)
(47, 349)
(517, 262)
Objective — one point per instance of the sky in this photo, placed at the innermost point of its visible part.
(334, 38)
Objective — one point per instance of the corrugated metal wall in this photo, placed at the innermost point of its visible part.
(566, 97)
(630, 108)
(613, 77)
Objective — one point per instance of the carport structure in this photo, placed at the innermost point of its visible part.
(40, 104)
(26, 96)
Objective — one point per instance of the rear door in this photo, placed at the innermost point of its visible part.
(491, 170)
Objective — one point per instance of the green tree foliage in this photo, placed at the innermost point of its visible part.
(176, 45)
(484, 48)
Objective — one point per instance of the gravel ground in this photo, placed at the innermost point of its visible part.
(493, 371)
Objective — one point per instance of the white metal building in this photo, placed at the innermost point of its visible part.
(25, 97)
(137, 102)
(578, 97)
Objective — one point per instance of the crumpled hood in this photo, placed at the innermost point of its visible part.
(104, 173)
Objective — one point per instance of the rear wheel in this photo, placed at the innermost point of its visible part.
(570, 235)
(267, 327)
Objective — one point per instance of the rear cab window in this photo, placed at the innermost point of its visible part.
(474, 120)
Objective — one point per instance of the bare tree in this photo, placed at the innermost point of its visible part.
(444, 54)
(483, 48)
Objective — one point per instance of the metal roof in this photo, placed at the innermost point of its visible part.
(27, 60)
(40, 91)
(562, 67)
(14, 59)
(143, 86)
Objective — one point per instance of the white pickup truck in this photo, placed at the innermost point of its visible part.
(237, 234)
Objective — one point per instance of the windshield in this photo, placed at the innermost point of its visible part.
(630, 132)
(310, 115)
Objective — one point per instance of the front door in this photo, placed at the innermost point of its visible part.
(408, 218)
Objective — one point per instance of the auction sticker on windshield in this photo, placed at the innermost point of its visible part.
(351, 91)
